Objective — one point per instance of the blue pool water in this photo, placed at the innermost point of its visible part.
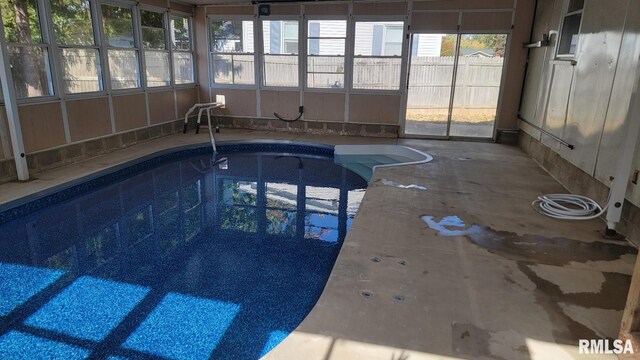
(176, 258)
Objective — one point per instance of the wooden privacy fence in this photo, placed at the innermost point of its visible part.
(477, 82)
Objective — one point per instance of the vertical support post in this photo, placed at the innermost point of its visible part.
(11, 105)
(625, 159)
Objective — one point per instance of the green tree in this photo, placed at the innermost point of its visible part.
(21, 22)
(72, 23)
(448, 47)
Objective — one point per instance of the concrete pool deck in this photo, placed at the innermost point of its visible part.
(461, 269)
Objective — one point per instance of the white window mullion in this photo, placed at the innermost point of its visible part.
(137, 35)
(167, 41)
(98, 30)
(258, 43)
(48, 43)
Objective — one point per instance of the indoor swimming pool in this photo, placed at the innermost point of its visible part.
(175, 256)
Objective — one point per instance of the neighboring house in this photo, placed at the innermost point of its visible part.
(372, 38)
(478, 52)
(426, 45)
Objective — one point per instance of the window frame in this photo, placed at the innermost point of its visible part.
(96, 22)
(192, 50)
(167, 45)
(137, 39)
(46, 43)
(403, 55)
(252, 19)
(347, 52)
(565, 15)
(302, 48)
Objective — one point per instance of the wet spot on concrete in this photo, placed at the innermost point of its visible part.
(531, 248)
(470, 340)
(551, 264)
(571, 280)
(544, 250)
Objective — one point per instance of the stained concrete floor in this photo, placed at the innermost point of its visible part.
(463, 269)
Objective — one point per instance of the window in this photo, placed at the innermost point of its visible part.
(156, 53)
(281, 206)
(124, 66)
(280, 60)
(192, 207)
(80, 57)
(27, 50)
(325, 53)
(570, 28)
(238, 205)
(321, 214)
(392, 40)
(182, 50)
(232, 54)
(377, 55)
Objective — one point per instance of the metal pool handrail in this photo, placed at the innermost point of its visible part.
(203, 107)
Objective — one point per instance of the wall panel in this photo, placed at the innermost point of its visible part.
(157, 3)
(5, 139)
(228, 10)
(538, 75)
(3, 129)
(393, 8)
(462, 4)
(376, 109)
(559, 91)
(161, 106)
(285, 103)
(238, 102)
(285, 10)
(181, 7)
(88, 118)
(185, 99)
(597, 57)
(324, 106)
(42, 126)
(434, 21)
(516, 64)
(202, 54)
(130, 111)
(326, 9)
(486, 21)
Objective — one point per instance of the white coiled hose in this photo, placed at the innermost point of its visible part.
(568, 207)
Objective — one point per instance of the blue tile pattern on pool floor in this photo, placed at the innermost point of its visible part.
(18, 283)
(89, 308)
(183, 327)
(177, 256)
(19, 346)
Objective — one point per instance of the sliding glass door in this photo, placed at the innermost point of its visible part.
(454, 85)
(431, 71)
